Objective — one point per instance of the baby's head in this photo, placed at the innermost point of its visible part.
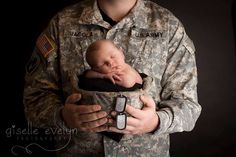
(103, 56)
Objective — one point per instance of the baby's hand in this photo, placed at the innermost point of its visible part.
(116, 77)
(113, 77)
(118, 71)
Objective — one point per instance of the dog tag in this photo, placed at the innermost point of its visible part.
(120, 103)
(121, 121)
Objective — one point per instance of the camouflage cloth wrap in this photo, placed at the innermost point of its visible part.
(107, 99)
(154, 42)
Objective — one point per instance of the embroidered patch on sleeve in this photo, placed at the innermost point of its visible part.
(33, 63)
(45, 45)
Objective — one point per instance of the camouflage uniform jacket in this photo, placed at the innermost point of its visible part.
(154, 42)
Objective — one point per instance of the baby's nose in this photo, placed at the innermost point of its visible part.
(111, 63)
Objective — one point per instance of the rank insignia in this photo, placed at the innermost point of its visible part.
(45, 45)
(33, 63)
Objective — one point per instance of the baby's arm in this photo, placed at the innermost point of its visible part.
(94, 74)
(130, 78)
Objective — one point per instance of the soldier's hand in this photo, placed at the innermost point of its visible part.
(139, 121)
(87, 118)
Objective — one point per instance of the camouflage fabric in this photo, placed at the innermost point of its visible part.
(106, 99)
(154, 42)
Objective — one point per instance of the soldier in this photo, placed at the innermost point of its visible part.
(154, 42)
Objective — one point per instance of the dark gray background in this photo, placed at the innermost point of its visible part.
(209, 23)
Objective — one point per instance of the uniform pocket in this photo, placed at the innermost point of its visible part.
(145, 50)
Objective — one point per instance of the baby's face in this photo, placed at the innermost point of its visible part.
(108, 58)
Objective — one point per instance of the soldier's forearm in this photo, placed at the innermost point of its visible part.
(177, 116)
(41, 112)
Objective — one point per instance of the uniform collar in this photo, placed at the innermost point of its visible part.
(92, 15)
(137, 15)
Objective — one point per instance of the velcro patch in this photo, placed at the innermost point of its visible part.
(45, 45)
(33, 63)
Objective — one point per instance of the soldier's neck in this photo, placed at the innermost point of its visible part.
(116, 9)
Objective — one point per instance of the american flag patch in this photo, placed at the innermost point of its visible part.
(44, 45)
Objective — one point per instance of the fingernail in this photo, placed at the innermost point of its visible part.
(113, 113)
(105, 120)
(104, 114)
(98, 107)
(110, 120)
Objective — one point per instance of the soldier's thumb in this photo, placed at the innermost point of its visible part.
(148, 102)
(73, 98)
